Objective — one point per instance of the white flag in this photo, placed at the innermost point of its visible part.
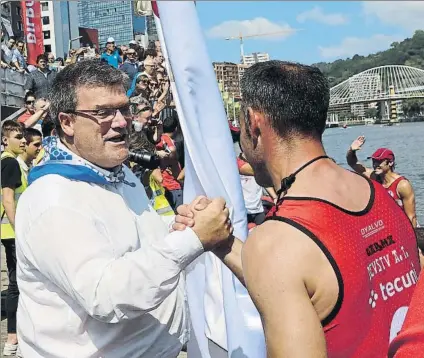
(220, 307)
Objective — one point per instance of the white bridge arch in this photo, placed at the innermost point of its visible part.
(382, 83)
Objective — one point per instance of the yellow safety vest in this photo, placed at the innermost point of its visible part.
(7, 231)
(160, 203)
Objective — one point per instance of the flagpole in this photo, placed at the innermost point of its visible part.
(221, 310)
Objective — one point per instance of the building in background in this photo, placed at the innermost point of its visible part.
(16, 18)
(227, 73)
(241, 68)
(255, 57)
(60, 26)
(6, 19)
(151, 31)
(110, 18)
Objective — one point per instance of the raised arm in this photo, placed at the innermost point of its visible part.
(352, 159)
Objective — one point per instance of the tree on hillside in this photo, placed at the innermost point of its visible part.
(409, 52)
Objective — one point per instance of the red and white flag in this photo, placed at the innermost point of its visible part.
(220, 307)
(31, 19)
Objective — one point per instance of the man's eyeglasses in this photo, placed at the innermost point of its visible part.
(130, 53)
(29, 102)
(104, 114)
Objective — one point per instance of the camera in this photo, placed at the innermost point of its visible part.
(144, 158)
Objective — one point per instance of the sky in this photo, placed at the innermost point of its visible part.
(307, 31)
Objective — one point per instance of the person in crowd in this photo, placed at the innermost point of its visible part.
(36, 111)
(170, 166)
(133, 44)
(150, 54)
(7, 51)
(51, 58)
(157, 45)
(130, 66)
(383, 170)
(150, 177)
(159, 59)
(39, 82)
(93, 253)
(409, 342)
(252, 192)
(29, 103)
(33, 138)
(18, 59)
(13, 184)
(338, 302)
(149, 68)
(142, 88)
(111, 54)
(144, 119)
(47, 130)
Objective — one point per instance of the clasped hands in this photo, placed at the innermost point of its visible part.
(209, 219)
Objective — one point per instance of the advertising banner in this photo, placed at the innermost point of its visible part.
(31, 20)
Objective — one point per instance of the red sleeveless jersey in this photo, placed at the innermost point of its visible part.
(375, 258)
(392, 190)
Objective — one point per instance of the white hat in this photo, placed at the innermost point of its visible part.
(110, 39)
(133, 42)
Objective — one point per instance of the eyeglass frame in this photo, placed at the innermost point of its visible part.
(86, 113)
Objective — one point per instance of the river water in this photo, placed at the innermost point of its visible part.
(406, 140)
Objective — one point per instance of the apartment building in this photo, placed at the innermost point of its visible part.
(255, 57)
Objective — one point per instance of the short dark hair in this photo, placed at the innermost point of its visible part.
(30, 133)
(170, 124)
(20, 42)
(41, 57)
(150, 52)
(29, 94)
(91, 73)
(294, 97)
(9, 126)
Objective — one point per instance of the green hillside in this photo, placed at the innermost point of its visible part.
(409, 52)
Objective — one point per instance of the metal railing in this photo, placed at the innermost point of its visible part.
(12, 92)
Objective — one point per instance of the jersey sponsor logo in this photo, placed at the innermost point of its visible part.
(391, 288)
(372, 229)
(380, 245)
(378, 265)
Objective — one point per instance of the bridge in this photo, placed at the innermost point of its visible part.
(388, 84)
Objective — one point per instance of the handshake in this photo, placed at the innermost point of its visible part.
(209, 219)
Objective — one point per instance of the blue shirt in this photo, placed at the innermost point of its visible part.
(113, 59)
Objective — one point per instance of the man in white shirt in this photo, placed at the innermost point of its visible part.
(99, 273)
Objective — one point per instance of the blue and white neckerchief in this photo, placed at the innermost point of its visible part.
(61, 161)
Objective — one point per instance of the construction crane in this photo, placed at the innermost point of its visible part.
(241, 38)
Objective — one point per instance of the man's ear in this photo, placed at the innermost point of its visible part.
(67, 123)
(256, 125)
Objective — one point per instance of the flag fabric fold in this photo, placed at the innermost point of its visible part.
(220, 307)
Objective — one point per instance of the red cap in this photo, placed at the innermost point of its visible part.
(233, 128)
(383, 154)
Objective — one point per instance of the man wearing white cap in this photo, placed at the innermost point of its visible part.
(111, 54)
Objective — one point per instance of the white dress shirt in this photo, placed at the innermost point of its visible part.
(99, 274)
